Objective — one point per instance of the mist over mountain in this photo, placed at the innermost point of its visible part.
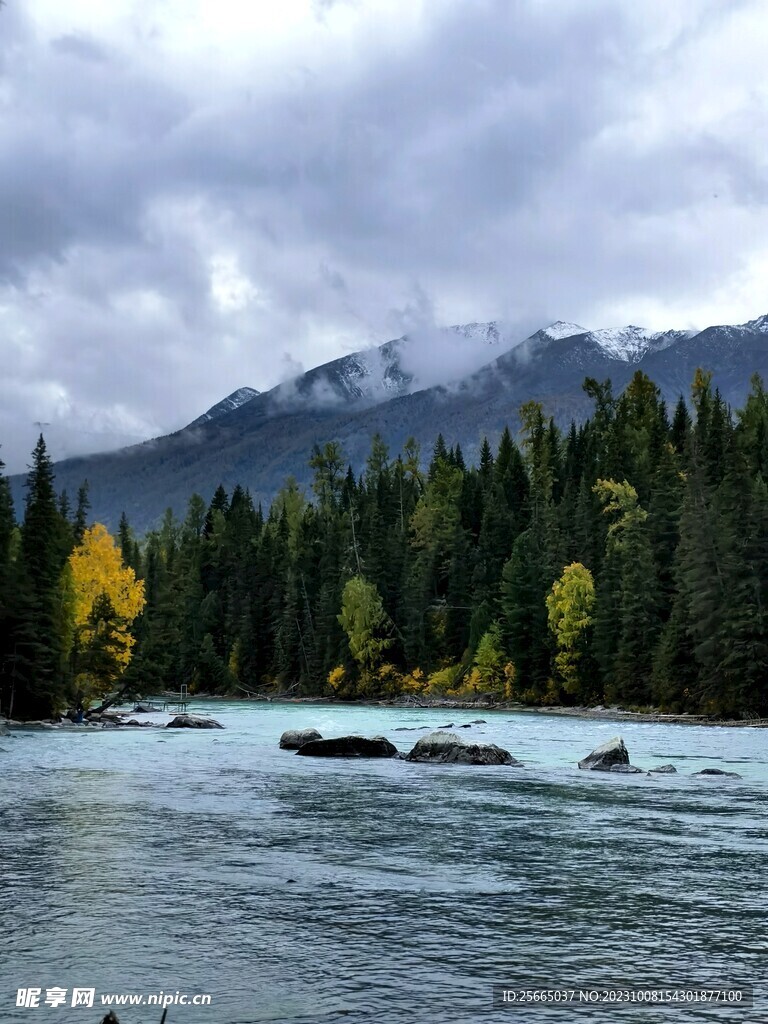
(478, 374)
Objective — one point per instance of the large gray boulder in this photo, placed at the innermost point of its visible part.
(604, 757)
(481, 753)
(349, 746)
(448, 748)
(434, 745)
(193, 722)
(292, 739)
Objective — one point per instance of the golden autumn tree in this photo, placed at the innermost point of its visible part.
(569, 611)
(105, 598)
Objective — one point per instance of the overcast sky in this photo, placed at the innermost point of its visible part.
(196, 196)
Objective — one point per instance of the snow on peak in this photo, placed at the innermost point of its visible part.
(562, 329)
(626, 343)
(240, 397)
(226, 405)
(485, 333)
(629, 344)
(760, 325)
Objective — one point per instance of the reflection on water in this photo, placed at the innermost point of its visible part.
(293, 889)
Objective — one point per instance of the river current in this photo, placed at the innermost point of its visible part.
(299, 889)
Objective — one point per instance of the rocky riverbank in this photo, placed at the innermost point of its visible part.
(114, 719)
(107, 720)
(597, 712)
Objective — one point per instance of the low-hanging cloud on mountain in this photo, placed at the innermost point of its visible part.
(188, 192)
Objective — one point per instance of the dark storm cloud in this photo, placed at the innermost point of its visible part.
(172, 228)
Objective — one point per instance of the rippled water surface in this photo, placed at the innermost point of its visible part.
(299, 889)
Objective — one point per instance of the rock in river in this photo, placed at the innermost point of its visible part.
(718, 771)
(292, 739)
(349, 746)
(626, 769)
(603, 758)
(448, 748)
(664, 769)
(193, 722)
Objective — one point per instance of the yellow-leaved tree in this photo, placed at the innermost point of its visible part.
(105, 599)
(569, 608)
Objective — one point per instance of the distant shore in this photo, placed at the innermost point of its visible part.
(598, 713)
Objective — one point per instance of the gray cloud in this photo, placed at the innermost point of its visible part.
(173, 227)
(80, 46)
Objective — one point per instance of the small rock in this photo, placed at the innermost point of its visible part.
(292, 739)
(718, 771)
(479, 721)
(626, 769)
(193, 722)
(441, 727)
(664, 769)
(467, 726)
(604, 757)
(349, 746)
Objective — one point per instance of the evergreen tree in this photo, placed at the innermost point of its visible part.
(39, 680)
(633, 597)
(80, 524)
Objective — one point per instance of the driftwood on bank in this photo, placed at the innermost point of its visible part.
(116, 698)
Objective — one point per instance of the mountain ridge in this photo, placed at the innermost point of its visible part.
(226, 405)
(260, 441)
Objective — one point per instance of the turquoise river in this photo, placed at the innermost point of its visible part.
(298, 889)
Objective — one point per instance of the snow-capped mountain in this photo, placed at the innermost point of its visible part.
(630, 344)
(562, 329)
(627, 344)
(758, 326)
(226, 405)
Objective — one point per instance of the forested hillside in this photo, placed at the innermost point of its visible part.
(622, 561)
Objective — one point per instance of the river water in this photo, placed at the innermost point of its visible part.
(301, 889)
